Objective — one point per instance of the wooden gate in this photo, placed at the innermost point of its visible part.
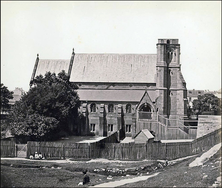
(21, 150)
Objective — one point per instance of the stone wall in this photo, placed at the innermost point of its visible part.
(208, 124)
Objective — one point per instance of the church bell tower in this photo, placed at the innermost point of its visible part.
(170, 84)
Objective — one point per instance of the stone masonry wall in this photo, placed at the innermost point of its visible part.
(207, 124)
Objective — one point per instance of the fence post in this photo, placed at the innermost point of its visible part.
(114, 148)
(15, 150)
(89, 151)
(63, 151)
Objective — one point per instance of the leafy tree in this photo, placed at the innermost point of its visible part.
(49, 107)
(207, 102)
(5, 96)
(5, 107)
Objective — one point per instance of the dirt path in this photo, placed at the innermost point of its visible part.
(125, 181)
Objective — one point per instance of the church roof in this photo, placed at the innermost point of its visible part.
(133, 68)
(52, 65)
(114, 95)
(117, 68)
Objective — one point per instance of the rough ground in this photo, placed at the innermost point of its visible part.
(181, 175)
(34, 173)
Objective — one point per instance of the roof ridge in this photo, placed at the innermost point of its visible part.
(116, 53)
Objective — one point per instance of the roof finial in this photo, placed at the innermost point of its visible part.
(73, 51)
(37, 55)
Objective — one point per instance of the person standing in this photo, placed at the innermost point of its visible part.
(86, 178)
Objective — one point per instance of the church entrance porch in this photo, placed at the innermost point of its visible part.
(145, 112)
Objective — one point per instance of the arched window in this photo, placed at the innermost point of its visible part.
(93, 107)
(128, 108)
(110, 108)
(145, 107)
(145, 111)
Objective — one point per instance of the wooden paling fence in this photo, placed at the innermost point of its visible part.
(122, 151)
(57, 150)
(8, 148)
(207, 141)
(125, 151)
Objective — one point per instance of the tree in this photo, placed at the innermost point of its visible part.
(5, 107)
(207, 102)
(49, 107)
(5, 96)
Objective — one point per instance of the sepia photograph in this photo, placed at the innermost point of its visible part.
(111, 94)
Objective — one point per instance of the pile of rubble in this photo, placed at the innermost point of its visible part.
(131, 171)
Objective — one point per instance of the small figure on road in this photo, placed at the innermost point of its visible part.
(36, 155)
(40, 156)
(85, 178)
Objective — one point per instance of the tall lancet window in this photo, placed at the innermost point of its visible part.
(110, 108)
(128, 108)
(93, 107)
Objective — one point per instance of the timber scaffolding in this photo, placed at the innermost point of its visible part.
(165, 128)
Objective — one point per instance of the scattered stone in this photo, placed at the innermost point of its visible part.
(80, 183)
(185, 172)
(127, 175)
(219, 178)
(215, 185)
(109, 177)
(160, 165)
(205, 176)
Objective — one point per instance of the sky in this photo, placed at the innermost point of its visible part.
(53, 28)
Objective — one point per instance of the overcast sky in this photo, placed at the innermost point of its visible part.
(52, 29)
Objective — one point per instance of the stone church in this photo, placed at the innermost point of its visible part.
(125, 92)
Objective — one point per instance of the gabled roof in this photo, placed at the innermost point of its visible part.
(147, 98)
(52, 65)
(133, 68)
(146, 132)
(113, 95)
(118, 68)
